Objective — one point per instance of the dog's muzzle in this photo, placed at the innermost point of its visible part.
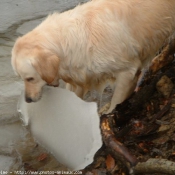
(28, 99)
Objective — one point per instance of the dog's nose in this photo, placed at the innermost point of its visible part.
(28, 100)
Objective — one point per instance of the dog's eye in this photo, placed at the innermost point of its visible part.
(30, 79)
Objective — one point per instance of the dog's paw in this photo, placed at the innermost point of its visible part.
(104, 109)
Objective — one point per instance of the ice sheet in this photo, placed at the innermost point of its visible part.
(65, 125)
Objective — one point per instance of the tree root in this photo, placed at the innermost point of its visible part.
(161, 166)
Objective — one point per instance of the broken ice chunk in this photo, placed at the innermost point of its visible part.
(65, 125)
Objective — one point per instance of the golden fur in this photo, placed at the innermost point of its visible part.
(98, 43)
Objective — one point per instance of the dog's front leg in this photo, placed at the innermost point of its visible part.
(79, 91)
(124, 86)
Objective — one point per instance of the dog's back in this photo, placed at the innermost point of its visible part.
(103, 32)
(125, 36)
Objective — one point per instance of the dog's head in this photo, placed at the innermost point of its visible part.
(36, 65)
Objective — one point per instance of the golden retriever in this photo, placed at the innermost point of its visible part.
(98, 43)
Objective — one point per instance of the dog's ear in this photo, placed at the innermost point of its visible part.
(47, 66)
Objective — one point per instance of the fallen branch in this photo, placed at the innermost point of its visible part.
(121, 153)
(117, 149)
